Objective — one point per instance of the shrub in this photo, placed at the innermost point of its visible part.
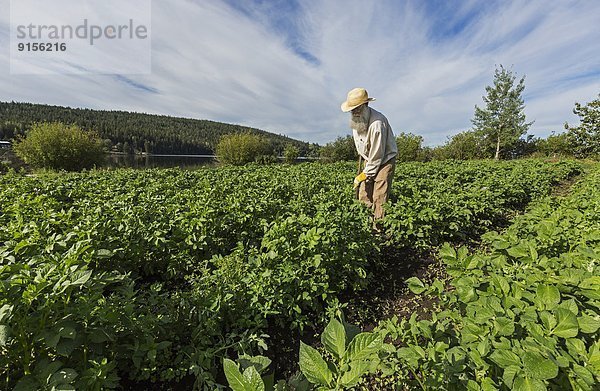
(342, 149)
(291, 153)
(242, 148)
(60, 147)
(462, 146)
(410, 147)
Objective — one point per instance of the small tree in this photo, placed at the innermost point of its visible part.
(342, 149)
(61, 147)
(502, 121)
(410, 147)
(290, 153)
(586, 136)
(242, 148)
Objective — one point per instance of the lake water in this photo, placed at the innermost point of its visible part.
(163, 161)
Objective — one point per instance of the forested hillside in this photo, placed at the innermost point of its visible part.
(134, 132)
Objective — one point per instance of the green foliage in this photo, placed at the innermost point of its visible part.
(556, 145)
(353, 355)
(4, 162)
(410, 147)
(250, 379)
(342, 149)
(243, 148)
(502, 121)
(523, 315)
(462, 146)
(135, 132)
(172, 271)
(291, 154)
(586, 136)
(160, 277)
(60, 147)
(460, 200)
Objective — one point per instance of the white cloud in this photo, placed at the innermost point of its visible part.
(211, 61)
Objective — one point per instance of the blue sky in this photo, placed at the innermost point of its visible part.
(286, 66)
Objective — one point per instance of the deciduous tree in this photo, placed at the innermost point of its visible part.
(586, 136)
(501, 122)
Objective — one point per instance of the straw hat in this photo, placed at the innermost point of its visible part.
(356, 97)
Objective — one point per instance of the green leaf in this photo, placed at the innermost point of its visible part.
(104, 253)
(465, 289)
(447, 252)
(313, 366)
(253, 380)
(5, 311)
(63, 376)
(527, 384)
(501, 244)
(566, 324)
(509, 375)
(504, 326)
(588, 324)
(548, 320)
(334, 338)
(501, 283)
(234, 377)
(591, 283)
(410, 355)
(570, 305)
(81, 277)
(576, 347)
(27, 383)
(487, 384)
(539, 367)
(594, 357)
(67, 332)
(357, 370)
(4, 334)
(472, 385)
(548, 296)
(351, 332)
(415, 285)
(505, 358)
(363, 345)
(584, 374)
(519, 251)
(259, 362)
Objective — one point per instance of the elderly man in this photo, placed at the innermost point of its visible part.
(375, 143)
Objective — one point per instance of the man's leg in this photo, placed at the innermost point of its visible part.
(382, 187)
(365, 193)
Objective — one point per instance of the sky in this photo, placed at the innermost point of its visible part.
(286, 66)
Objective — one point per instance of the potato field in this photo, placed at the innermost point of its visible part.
(156, 279)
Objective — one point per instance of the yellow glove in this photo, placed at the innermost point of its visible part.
(359, 178)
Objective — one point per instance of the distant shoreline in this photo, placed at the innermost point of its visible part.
(161, 155)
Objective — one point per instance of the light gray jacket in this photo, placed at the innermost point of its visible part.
(378, 145)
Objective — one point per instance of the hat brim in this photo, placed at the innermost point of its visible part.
(346, 107)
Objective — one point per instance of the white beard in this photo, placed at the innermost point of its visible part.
(361, 123)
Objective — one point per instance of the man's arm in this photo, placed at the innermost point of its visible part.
(376, 151)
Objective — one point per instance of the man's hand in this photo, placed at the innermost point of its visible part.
(359, 178)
